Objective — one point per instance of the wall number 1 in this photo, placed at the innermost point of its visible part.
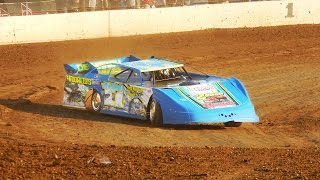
(290, 10)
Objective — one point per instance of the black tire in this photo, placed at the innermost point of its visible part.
(93, 101)
(232, 124)
(155, 113)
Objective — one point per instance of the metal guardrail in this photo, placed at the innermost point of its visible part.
(26, 8)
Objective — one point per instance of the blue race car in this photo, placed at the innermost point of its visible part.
(157, 90)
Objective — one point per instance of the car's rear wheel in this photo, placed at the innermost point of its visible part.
(93, 101)
(155, 113)
(232, 124)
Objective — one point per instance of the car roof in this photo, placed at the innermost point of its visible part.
(151, 65)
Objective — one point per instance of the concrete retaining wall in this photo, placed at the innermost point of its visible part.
(87, 25)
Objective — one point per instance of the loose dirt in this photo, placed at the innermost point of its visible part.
(278, 65)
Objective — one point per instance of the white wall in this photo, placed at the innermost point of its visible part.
(86, 25)
(55, 27)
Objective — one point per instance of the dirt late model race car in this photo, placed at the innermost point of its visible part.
(157, 90)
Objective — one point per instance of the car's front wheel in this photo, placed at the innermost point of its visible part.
(93, 101)
(155, 113)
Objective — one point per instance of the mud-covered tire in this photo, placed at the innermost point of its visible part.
(232, 124)
(155, 113)
(93, 101)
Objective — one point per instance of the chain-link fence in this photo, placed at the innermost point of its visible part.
(35, 7)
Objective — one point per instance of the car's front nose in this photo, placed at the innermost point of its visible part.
(243, 113)
(181, 108)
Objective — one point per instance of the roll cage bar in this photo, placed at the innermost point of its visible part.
(158, 76)
(155, 76)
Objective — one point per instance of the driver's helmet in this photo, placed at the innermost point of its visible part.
(166, 72)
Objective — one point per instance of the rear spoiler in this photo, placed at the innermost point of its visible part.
(83, 68)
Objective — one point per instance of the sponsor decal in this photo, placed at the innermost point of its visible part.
(134, 89)
(83, 67)
(96, 82)
(209, 95)
(130, 99)
(74, 94)
(79, 80)
(205, 96)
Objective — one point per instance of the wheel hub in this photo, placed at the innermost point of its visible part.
(152, 110)
(96, 101)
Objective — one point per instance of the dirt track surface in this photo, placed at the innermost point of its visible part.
(279, 67)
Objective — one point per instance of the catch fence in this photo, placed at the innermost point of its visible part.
(27, 8)
(37, 7)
